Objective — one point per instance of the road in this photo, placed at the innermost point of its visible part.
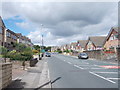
(70, 72)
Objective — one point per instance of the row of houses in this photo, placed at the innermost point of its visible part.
(108, 43)
(8, 37)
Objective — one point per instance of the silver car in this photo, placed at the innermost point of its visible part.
(83, 56)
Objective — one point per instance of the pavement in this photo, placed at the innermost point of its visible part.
(70, 72)
(34, 78)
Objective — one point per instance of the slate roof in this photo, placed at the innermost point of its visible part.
(82, 43)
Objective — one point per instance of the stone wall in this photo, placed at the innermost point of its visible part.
(100, 55)
(5, 74)
(94, 54)
(118, 54)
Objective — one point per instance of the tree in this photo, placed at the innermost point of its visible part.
(3, 51)
(48, 48)
(36, 47)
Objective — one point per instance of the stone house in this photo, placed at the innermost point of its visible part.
(2, 31)
(112, 39)
(10, 39)
(95, 43)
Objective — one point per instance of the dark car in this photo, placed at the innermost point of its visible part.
(47, 54)
(82, 56)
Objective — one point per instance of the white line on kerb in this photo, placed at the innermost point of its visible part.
(78, 67)
(108, 72)
(102, 77)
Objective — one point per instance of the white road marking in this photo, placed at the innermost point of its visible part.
(114, 78)
(69, 62)
(102, 77)
(78, 67)
(108, 72)
(96, 65)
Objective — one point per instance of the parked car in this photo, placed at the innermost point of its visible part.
(83, 56)
(47, 54)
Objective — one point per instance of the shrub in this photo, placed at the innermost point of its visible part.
(35, 51)
(27, 55)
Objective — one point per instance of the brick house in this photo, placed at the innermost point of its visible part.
(2, 31)
(81, 45)
(95, 43)
(112, 39)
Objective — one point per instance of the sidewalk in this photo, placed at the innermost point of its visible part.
(35, 77)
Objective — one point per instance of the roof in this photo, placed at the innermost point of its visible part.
(73, 44)
(98, 40)
(1, 22)
(8, 30)
(82, 43)
(113, 28)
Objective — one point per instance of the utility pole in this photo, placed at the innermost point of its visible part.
(42, 46)
(42, 41)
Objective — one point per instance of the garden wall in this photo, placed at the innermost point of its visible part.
(5, 74)
(100, 55)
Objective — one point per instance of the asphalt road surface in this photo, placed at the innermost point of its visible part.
(70, 72)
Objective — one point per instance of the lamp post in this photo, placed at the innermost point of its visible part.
(42, 48)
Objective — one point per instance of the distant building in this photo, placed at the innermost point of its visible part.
(73, 46)
(112, 39)
(81, 45)
(24, 40)
(54, 48)
(95, 43)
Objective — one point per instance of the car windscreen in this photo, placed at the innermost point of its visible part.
(83, 54)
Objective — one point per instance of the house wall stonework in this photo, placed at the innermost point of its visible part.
(1, 37)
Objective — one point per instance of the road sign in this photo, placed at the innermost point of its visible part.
(42, 50)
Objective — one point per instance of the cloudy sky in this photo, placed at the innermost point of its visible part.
(60, 22)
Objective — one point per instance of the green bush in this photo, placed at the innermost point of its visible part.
(59, 51)
(22, 53)
(67, 51)
(27, 55)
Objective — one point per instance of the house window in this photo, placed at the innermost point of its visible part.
(111, 38)
(115, 36)
(8, 34)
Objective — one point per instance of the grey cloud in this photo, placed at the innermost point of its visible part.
(66, 20)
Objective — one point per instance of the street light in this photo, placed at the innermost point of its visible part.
(42, 48)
